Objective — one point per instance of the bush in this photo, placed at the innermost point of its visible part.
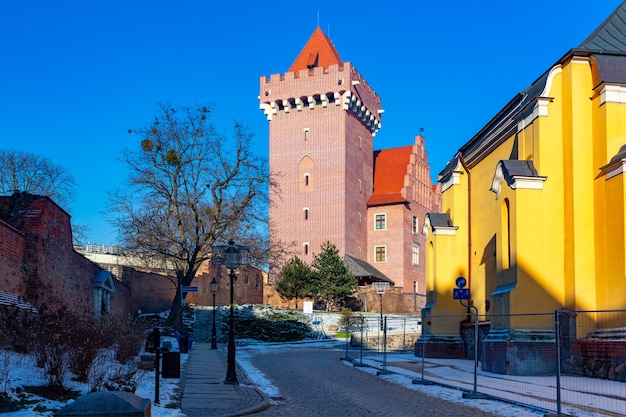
(268, 325)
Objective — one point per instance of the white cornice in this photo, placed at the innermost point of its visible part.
(611, 93)
(455, 178)
(539, 109)
(557, 69)
(527, 183)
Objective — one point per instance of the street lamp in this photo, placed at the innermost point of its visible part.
(380, 288)
(232, 256)
(213, 286)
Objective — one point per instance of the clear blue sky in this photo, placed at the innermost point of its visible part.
(75, 75)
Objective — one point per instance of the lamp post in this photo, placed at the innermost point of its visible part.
(232, 256)
(380, 288)
(213, 286)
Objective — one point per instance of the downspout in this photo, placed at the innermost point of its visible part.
(469, 219)
(469, 230)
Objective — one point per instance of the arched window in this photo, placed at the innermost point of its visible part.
(505, 232)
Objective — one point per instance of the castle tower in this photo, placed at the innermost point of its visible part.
(322, 117)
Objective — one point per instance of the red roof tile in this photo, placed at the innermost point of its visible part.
(390, 167)
(319, 51)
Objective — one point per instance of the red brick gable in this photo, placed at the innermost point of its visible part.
(390, 168)
(319, 51)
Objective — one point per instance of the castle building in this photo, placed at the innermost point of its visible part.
(323, 117)
(533, 206)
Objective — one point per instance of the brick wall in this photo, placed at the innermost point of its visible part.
(12, 251)
(38, 260)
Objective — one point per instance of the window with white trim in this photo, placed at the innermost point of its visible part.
(416, 225)
(306, 135)
(305, 248)
(380, 221)
(415, 254)
(380, 253)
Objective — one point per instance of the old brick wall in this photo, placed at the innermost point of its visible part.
(12, 267)
(248, 287)
(38, 260)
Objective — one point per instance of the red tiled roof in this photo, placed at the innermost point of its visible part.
(390, 167)
(319, 51)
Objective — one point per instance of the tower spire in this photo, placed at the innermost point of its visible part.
(319, 51)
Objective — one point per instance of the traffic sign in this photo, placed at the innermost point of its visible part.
(461, 282)
(461, 293)
(189, 289)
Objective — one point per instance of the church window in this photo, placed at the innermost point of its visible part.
(415, 225)
(505, 230)
(381, 253)
(306, 179)
(380, 221)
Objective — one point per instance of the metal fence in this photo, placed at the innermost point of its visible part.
(567, 362)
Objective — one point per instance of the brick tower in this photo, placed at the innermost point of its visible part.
(322, 117)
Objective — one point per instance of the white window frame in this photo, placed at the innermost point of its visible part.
(416, 225)
(384, 221)
(384, 252)
(415, 254)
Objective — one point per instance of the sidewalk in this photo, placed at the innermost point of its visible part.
(204, 391)
(579, 395)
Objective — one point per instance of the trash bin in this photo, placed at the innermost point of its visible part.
(183, 343)
(171, 365)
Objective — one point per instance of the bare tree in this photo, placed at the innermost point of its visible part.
(189, 188)
(35, 174)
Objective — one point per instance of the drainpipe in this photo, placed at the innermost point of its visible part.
(469, 229)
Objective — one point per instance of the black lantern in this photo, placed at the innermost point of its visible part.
(232, 256)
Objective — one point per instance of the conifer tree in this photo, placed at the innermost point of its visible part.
(297, 281)
(336, 284)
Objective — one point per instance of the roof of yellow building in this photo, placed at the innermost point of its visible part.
(607, 47)
(610, 36)
(390, 167)
(319, 51)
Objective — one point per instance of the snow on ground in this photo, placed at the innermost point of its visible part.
(23, 372)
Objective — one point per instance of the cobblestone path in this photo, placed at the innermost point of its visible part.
(314, 383)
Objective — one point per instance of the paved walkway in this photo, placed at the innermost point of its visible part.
(204, 391)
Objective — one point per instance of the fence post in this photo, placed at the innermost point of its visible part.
(347, 329)
(384, 371)
(361, 360)
(475, 394)
(557, 332)
(422, 381)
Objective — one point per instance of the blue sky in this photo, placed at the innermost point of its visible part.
(76, 75)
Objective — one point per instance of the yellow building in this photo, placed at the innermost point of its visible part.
(533, 205)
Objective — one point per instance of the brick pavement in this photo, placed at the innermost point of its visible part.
(204, 391)
(313, 383)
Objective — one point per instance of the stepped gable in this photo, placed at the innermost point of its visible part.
(319, 51)
(610, 36)
(390, 168)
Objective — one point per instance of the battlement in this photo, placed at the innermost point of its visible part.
(340, 74)
(339, 84)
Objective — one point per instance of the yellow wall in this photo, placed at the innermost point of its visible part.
(562, 246)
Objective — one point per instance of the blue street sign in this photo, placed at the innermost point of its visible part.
(189, 289)
(461, 293)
